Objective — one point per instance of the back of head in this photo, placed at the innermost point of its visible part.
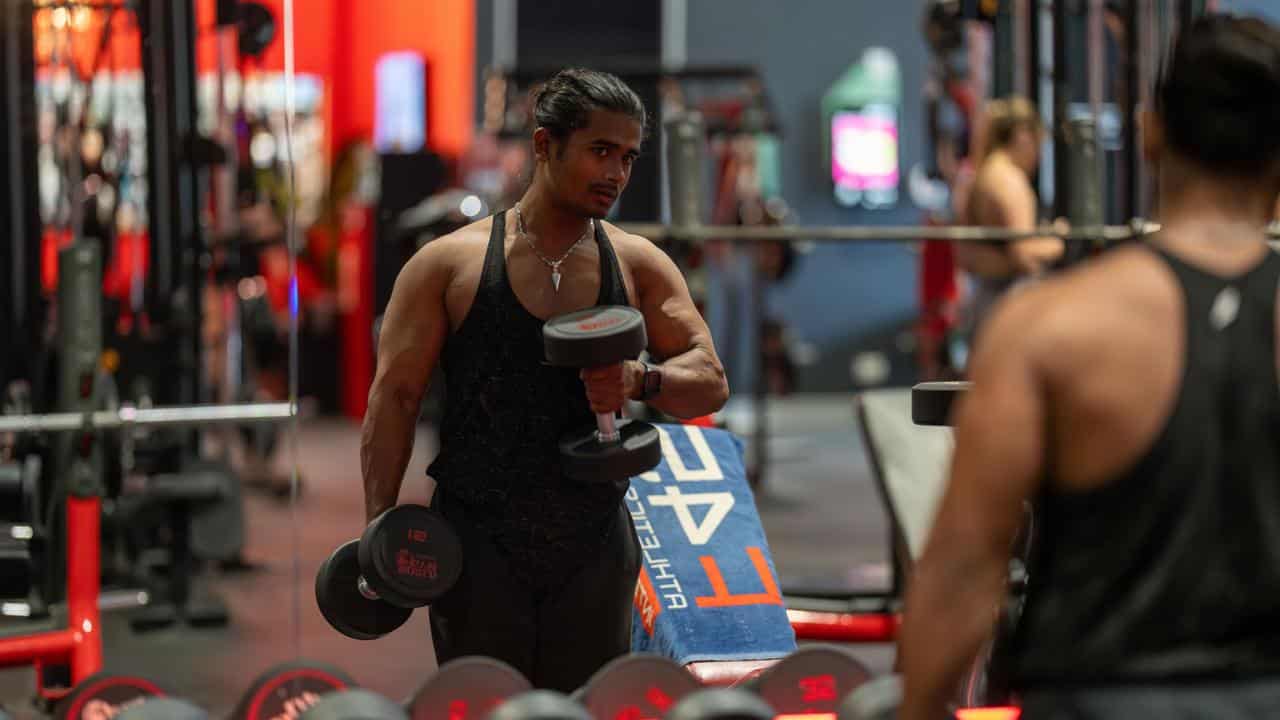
(564, 103)
(1219, 96)
(1005, 117)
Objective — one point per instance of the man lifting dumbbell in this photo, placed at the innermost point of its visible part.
(549, 563)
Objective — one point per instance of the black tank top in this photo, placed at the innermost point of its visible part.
(504, 412)
(1172, 570)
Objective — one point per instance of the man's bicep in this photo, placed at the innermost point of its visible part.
(673, 321)
(414, 325)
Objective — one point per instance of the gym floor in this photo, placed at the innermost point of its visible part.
(824, 521)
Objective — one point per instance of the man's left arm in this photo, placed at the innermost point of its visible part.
(960, 579)
(693, 380)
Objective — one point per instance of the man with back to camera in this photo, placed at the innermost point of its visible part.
(550, 564)
(1134, 399)
(1001, 195)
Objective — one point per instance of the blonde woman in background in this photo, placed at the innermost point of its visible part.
(1002, 196)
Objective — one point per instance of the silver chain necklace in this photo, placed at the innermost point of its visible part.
(553, 264)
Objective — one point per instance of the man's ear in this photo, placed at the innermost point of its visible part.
(541, 144)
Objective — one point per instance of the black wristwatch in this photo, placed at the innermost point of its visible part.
(652, 381)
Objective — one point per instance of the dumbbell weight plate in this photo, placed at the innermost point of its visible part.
(637, 450)
(341, 603)
(594, 337)
(410, 555)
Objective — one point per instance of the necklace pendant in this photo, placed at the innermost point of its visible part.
(555, 279)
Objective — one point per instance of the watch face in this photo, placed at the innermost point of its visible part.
(652, 381)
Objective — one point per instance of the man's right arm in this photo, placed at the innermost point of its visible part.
(413, 331)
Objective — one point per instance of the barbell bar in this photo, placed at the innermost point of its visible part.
(127, 416)
(890, 233)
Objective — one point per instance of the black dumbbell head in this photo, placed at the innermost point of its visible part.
(878, 699)
(354, 705)
(340, 601)
(595, 337)
(410, 555)
(540, 705)
(722, 704)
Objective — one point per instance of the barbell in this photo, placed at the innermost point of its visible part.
(892, 233)
(128, 416)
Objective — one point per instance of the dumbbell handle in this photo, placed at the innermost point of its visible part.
(607, 428)
(363, 586)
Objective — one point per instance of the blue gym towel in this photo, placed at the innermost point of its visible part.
(708, 589)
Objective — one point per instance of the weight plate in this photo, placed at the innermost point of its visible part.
(354, 705)
(878, 699)
(468, 688)
(594, 337)
(540, 705)
(735, 703)
(104, 695)
(289, 688)
(410, 555)
(811, 680)
(341, 603)
(637, 450)
(637, 686)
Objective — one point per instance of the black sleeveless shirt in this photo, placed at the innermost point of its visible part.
(1172, 570)
(504, 413)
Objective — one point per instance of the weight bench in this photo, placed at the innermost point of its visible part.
(909, 464)
(181, 494)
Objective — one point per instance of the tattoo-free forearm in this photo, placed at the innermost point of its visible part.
(386, 444)
(693, 384)
(950, 612)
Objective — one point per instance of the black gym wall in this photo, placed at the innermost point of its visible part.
(21, 305)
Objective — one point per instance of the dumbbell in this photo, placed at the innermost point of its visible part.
(540, 705)
(406, 558)
(597, 337)
(722, 704)
(879, 699)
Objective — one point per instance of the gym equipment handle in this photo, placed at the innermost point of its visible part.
(607, 428)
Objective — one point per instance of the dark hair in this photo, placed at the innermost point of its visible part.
(1219, 97)
(564, 103)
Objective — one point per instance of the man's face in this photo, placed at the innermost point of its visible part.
(589, 170)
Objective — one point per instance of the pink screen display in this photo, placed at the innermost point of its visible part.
(864, 151)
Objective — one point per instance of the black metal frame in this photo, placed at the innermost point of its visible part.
(22, 308)
(174, 179)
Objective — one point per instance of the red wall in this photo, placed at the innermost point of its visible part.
(341, 40)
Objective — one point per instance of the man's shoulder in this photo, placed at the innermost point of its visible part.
(1090, 303)
(635, 250)
(436, 262)
(457, 245)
